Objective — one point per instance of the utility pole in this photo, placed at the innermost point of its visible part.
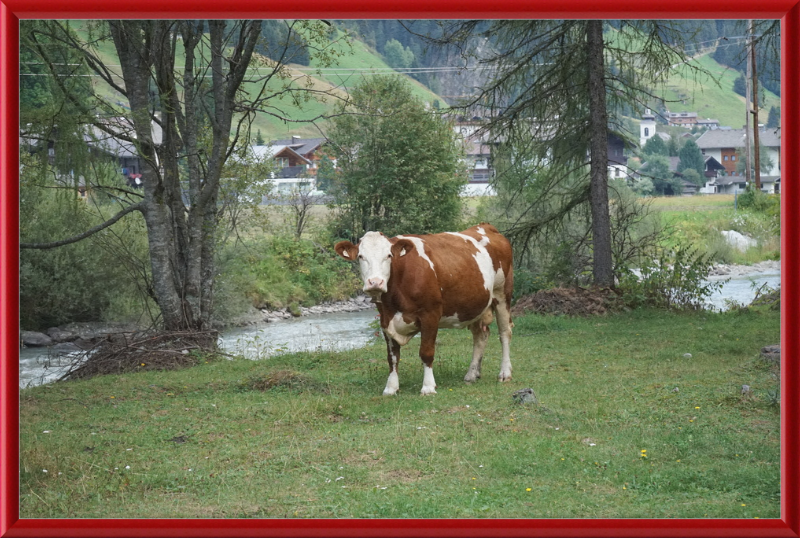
(747, 84)
(756, 150)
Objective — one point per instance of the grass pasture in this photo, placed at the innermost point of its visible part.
(627, 427)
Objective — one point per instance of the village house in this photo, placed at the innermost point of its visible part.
(726, 146)
(297, 162)
(477, 149)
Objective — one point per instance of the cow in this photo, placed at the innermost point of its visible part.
(423, 283)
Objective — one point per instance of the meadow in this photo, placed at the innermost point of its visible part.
(639, 414)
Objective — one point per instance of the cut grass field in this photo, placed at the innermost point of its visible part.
(627, 426)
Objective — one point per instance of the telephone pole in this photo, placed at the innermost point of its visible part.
(756, 150)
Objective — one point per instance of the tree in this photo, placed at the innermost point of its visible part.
(691, 158)
(399, 165)
(774, 118)
(184, 82)
(554, 88)
(739, 86)
(765, 163)
(396, 55)
(655, 146)
(657, 170)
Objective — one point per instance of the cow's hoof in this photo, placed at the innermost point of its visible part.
(389, 392)
(471, 378)
(425, 391)
(504, 378)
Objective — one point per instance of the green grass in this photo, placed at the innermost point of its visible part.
(310, 435)
(698, 221)
(703, 95)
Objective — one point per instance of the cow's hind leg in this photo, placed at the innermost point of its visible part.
(504, 325)
(427, 348)
(480, 336)
(393, 351)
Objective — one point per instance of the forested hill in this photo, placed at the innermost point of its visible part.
(722, 39)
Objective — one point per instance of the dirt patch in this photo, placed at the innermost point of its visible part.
(128, 352)
(286, 379)
(570, 302)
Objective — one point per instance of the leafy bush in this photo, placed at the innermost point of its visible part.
(277, 272)
(101, 278)
(766, 204)
(675, 279)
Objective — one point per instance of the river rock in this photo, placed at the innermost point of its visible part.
(59, 335)
(34, 339)
(738, 241)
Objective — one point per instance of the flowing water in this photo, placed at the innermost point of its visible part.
(338, 331)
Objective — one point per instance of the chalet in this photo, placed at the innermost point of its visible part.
(725, 145)
(477, 149)
(102, 144)
(297, 162)
(106, 147)
(682, 119)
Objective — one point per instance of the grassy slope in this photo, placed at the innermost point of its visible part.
(357, 56)
(205, 442)
(709, 99)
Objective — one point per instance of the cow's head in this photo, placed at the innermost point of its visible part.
(374, 254)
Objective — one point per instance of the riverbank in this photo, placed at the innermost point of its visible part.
(81, 336)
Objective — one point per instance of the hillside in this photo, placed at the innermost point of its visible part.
(355, 60)
(712, 97)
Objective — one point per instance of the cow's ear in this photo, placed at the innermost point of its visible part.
(346, 250)
(402, 247)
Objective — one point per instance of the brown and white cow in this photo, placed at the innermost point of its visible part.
(423, 283)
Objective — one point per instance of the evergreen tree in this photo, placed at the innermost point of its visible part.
(655, 146)
(691, 158)
(774, 118)
(739, 86)
(554, 89)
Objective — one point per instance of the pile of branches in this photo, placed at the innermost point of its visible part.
(136, 352)
(570, 301)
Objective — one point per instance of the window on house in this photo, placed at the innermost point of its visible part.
(647, 131)
(725, 158)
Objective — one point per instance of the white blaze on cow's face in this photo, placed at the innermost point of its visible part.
(375, 262)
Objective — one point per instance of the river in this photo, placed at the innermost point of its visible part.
(342, 331)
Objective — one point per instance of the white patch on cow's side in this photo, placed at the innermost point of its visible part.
(428, 382)
(399, 330)
(481, 230)
(419, 244)
(482, 258)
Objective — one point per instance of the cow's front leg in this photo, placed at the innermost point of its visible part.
(393, 351)
(427, 349)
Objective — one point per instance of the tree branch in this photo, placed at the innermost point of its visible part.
(87, 233)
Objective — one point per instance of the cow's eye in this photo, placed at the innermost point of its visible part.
(389, 256)
(360, 257)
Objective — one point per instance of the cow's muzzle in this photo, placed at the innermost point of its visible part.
(375, 286)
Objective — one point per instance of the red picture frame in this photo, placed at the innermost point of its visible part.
(11, 11)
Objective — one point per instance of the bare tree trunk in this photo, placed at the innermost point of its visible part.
(181, 213)
(602, 267)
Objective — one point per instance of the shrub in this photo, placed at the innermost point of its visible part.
(675, 279)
